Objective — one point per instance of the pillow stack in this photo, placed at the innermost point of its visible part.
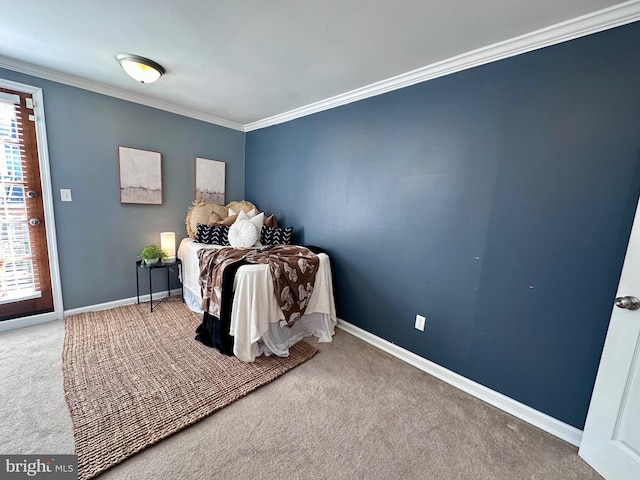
(242, 228)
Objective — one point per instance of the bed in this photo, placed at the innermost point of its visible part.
(256, 323)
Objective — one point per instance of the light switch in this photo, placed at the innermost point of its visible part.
(65, 194)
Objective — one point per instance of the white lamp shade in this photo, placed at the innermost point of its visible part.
(139, 68)
(140, 72)
(168, 244)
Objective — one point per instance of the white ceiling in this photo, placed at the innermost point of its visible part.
(238, 62)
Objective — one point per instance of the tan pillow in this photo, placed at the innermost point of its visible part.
(199, 212)
(243, 205)
(229, 220)
(271, 221)
(214, 219)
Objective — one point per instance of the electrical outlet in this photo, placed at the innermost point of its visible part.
(420, 322)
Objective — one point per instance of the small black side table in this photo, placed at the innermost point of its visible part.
(173, 266)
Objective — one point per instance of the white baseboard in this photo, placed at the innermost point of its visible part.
(541, 420)
(534, 417)
(16, 323)
(120, 303)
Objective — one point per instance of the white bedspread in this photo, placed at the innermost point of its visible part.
(255, 314)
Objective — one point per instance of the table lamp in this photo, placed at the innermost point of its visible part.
(168, 246)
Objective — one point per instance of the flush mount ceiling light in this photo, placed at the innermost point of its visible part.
(139, 68)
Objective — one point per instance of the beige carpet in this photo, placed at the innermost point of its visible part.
(133, 378)
(351, 412)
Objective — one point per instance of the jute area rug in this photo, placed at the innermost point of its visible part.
(132, 378)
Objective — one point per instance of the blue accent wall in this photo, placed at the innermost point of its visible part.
(98, 238)
(496, 201)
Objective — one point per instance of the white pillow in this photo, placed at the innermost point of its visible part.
(242, 234)
(258, 221)
(251, 213)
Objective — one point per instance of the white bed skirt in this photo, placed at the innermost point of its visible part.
(257, 322)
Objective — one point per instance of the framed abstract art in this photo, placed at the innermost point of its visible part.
(140, 173)
(209, 180)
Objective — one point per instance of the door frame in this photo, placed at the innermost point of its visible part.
(47, 199)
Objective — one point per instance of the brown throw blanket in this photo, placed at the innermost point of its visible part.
(212, 263)
(293, 270)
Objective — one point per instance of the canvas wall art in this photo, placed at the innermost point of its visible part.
(209, 180)
(140, 176)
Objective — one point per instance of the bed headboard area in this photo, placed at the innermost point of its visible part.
(209, 222)
(201, 210)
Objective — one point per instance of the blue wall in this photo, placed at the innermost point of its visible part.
(99, 238)
(497, 202)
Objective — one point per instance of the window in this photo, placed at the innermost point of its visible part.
(25, 285)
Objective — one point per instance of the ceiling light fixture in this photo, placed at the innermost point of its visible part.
(139, 68)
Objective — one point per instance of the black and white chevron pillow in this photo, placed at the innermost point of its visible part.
(276, 236)
(212, 234)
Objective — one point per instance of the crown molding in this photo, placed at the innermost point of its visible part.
(598, 21)
(73, 81)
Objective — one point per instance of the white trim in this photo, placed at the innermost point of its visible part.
(611, 17)
(10, 98)
(523, 412)
(20, 298)
(605, 19)
(16, 323)
(71, 80)
(119, 303)
(541, 420)
(47, 200)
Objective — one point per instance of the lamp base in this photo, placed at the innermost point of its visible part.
(169, 260)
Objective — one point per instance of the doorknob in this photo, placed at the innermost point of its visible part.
(630, 303)
(34, 222)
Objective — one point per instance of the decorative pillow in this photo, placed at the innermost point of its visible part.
(252, 213)
(276, 236)
(212, 234)
(214, 219)
(229, 220)
(242, 234)
(225, 221)
(258, 221)
(243, 205)
(199, 212)
(271, 221)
